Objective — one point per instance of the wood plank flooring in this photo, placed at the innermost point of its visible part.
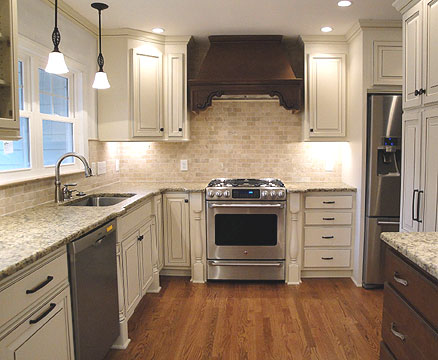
(322, 319)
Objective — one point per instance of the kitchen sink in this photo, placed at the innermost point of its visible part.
(99, 200)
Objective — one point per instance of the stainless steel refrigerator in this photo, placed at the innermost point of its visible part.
(382, 207)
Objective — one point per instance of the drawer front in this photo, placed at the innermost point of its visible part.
(327, 236)
(329, 202)
(418, 290)
(385, 354)
(134, 219)
(407, 335)
(328, 218)
(326, 258)
(32, 287)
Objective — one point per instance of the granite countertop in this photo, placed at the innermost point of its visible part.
(420, 248)
(31, 234)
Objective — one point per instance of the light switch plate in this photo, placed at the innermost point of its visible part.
(93, 168)
(184, 165)
(117, 165)
(101, 167)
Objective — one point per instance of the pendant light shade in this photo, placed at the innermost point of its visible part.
(101, 79)
(56, 63)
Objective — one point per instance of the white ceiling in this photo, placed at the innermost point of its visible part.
(214, 17)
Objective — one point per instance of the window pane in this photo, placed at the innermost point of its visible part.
(57, 140)
(15, 154)
(45, 103)
(60, 86)
(20, 85)
(53, 94)
(44, 81)
(60, 106)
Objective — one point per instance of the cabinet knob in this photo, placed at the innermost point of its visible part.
(416, 93)
(140, 238)
(186, 200)
(422, 91)
(311, 130)
(180, 129)
(161, 129)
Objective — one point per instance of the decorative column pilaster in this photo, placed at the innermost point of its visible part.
(197, 238)
(294, 273)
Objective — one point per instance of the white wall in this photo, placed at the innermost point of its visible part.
(36, 21)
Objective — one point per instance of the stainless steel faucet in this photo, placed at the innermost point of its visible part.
(59, 194)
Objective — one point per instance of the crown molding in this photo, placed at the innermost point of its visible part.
(146, 36)
(323, 39)
(74, 16)
(404, 5)
(371, 24)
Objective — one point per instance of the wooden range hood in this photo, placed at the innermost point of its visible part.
(246, 65)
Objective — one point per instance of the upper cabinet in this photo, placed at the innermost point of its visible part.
(325, 90)
(420, 36)
(387, 63)
(9, 100)
(147, 100)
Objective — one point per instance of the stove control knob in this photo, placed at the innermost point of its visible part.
(211, 193)
(226, 193)
(281, 194)
(264, 194)
(273, 194)
(219, 194)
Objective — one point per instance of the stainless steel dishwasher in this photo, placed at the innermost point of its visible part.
(93, 280)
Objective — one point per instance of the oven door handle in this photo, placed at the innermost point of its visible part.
(230, 263)
(269, 206)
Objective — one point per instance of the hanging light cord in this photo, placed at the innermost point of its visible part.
(100, 60)
(56, 36)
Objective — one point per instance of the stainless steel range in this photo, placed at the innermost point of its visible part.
(246, 220)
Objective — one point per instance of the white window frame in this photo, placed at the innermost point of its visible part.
(34, 56)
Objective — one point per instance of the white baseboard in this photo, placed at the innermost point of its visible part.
(176, 272)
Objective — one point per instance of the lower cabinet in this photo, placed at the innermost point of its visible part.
(176, 231)
(146, 239)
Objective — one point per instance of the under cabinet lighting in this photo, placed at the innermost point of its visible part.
(158, 30)
(344, 3)
(326, 29)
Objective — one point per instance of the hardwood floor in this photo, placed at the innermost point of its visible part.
(321, 319)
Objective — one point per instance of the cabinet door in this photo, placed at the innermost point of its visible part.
(429, 200)
(159, 230)
(49, 338)
(430, 52)
(176, 230)
(9, 113)
(411, 162)
(176, 111)
(412, 38)
(387, 65)
(146, 238)
(131, 272)
(147, 94)
(327, 95)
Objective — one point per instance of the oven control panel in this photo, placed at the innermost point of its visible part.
(245, 194)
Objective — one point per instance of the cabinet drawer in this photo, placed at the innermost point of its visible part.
(385, 353)
(407, 335)
(326, 258)
(329, 202)
(134, 219)
(327, 236)
(30, 288)
(418, 290)
(328, 218)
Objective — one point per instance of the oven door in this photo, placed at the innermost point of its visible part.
(246, 230)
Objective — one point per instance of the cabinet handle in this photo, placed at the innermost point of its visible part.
(329, 202)
(398, 279)
(330, 218)
(140, 238)
(416, 93)
(418, 206)
(421, 92)
(161, 129)
(44, 314)
(396, 333)
(328, 237)
(180, 129)
(40, 286)
(327, 258)
(413, 205)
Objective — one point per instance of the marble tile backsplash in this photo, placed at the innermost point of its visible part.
(31, 193)
(236, 139)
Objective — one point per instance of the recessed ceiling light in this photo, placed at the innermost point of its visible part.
(326, 29)
(344, 3)
(158, 30)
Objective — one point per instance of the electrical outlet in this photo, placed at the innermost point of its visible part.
(101, 167)
(93, 169)
(117, 165)
(184, 165)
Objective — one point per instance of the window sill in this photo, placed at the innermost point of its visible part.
(35, 177)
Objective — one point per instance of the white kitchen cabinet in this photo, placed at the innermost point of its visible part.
(387, 64)
(176, 231)
(9, 112)
(131, 272)
(147, 100)
(411, 163)
(45, 334)
(158, 203)
(146, 239)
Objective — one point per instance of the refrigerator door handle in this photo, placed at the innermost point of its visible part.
(388, 222)
(413, 205)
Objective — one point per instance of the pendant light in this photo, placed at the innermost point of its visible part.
(56, 63)
(100, 80)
